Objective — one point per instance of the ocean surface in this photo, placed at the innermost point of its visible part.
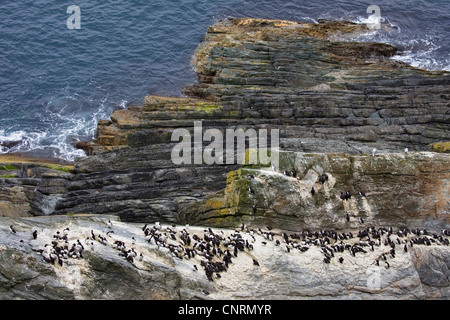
(56, 82)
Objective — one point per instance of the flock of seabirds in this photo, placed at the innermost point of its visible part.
(216, 250)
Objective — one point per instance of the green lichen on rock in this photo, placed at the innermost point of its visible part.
(441, 147)
(253, 160)
(8, 176)
(58, 167)
(7, 167)
(208, 108)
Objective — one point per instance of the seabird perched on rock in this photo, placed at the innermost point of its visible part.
(362, 194)
(323, 178)
(313, 191)
(374, 151)
(250, 190)
(345, 196)
(11, 228)
(361, 220)
(205, 292)
(406, 150)
(256, 263)
(35, 233)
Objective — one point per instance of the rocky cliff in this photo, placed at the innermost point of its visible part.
(332, 100)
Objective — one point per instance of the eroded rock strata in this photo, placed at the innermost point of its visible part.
(324, 95)
(332, 100)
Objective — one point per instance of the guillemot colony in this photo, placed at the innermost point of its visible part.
(215, 251)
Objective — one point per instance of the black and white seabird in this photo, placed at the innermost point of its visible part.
(323, 178)
(11, 228)
(35, 233)
(313, 191)
(205, 292)
(345, 195)
(256, 263)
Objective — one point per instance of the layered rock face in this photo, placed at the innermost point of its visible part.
(299, 78)
(321, 93)
(398, 190)
(32, 188)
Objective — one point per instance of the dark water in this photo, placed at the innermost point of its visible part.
(55, 83)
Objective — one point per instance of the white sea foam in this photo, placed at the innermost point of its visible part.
(61, 134)
(419, 53)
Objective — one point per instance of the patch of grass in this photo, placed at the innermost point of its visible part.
(7, 176)
(7, 167)
(59, 167)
